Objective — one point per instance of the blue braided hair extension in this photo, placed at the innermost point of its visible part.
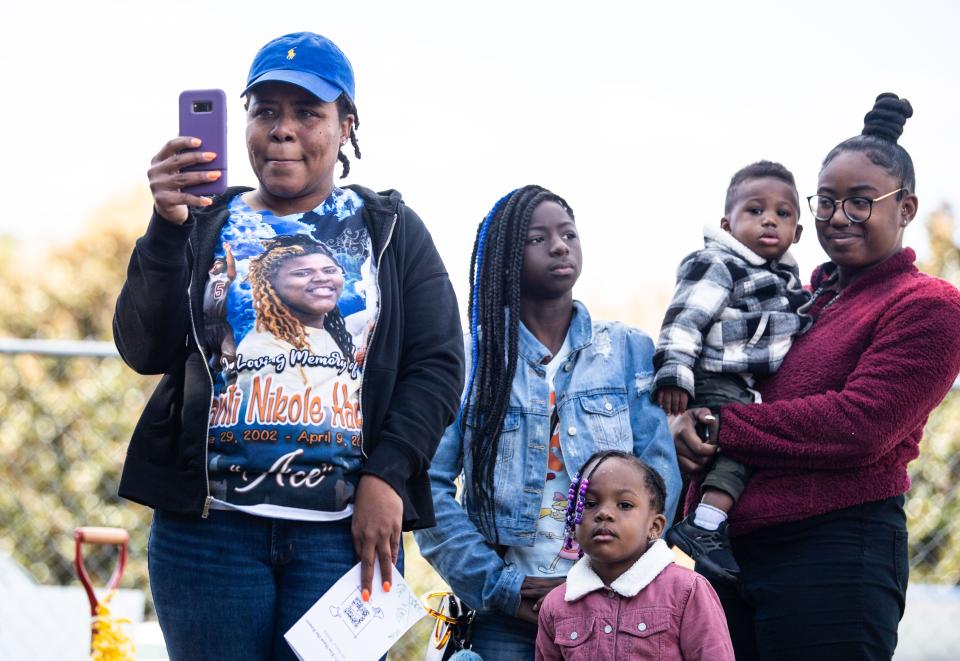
(497, 260)
(481, 249)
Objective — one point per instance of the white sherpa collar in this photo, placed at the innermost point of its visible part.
(726, 240)
(582, 580)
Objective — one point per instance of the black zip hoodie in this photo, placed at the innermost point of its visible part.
(413, 371)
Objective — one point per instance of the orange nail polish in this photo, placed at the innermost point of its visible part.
(206, 202)
(386, 586)
(365, 595)
(195, 142)
(209, 155)
(213, 175)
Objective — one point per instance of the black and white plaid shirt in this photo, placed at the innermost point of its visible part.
(732, 311)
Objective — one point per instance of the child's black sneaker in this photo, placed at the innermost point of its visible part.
(709, 548)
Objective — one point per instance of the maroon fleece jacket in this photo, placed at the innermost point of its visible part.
(844, 415)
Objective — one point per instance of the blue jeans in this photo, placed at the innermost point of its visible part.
(230, 586)
(498, 637)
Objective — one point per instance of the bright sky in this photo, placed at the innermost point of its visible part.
(637, 113)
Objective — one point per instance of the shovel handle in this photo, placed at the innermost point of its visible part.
(101, 537)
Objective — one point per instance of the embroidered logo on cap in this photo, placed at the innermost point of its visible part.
(292, 53)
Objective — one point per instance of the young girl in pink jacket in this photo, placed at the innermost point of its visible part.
(625, 598)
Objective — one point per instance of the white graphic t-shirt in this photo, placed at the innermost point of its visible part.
(288, 307)
(547, 557)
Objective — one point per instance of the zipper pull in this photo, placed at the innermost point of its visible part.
(206, 507)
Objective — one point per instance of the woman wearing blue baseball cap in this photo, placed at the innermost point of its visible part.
(266, 487)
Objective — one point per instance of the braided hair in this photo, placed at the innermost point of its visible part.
(576, 496)
(346, 106)
(494, 312)
(272, 313)
(882, 127)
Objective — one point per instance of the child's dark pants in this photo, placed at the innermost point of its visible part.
(713, 391)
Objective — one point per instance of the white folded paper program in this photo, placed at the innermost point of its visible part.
(332, 628)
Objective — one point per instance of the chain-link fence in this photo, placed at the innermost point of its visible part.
(67, 410)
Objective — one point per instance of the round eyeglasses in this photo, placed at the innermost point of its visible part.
(857, 209)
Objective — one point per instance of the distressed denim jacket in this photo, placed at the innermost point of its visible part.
(603, 402)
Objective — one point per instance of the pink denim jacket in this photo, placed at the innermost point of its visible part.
(656, 610)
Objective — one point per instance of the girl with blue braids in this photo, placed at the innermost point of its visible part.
(547, 387)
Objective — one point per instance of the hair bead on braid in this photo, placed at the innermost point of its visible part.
(572, 516)
(575, 512)
(576, 497)
(494, 308)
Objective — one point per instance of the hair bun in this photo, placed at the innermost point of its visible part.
(887, 118)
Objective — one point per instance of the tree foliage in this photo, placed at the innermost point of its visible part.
(65, 421)
(933, 504)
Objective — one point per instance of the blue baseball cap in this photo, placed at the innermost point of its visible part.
(307, 60)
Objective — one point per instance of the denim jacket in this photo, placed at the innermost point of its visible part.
(603, 402)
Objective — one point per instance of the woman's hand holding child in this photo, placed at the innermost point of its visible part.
(693, 451)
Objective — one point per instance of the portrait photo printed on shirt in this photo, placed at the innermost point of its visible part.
(288, 307)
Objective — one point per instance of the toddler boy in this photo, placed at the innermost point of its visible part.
(732, 319)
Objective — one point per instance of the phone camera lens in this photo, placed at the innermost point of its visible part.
(202, 106)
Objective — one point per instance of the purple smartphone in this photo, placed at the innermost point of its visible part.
(203, 114)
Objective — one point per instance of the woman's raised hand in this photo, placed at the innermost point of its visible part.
(693, 450)
(167, 180)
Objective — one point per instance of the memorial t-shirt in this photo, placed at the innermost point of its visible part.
(288, 307)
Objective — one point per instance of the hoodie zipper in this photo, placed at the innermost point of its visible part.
(366, 360)
(193, 327)
(206, 366)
